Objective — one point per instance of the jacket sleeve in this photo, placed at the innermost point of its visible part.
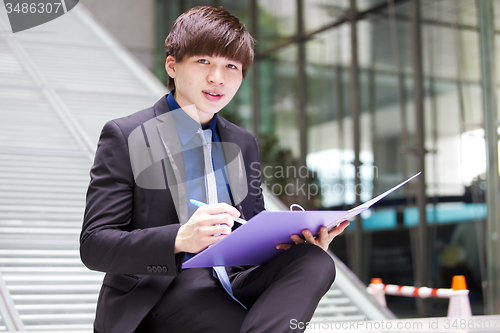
(109, 242)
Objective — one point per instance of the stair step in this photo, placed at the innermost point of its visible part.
(40, 224)
(28, 195)
(336, 309)
(325, 301)
(56, 317)
(82, 183)
(16, 279)
(55, 176)
(85, 328)
(39, 253)
(56, 288)
(40, 261)
(46, 269)
(43, 190)
(23, 308)
(42, 209)
(337, 318)
(70, 298)
(49, 231)
(48, 203)
(334, 292)
(42, 241)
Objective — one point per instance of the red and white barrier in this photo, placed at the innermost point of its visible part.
(459, 295)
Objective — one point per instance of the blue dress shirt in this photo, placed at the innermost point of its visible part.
(192, 152)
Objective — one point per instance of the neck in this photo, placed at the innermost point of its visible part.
(191, 110)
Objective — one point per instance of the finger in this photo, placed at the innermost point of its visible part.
(210, 231)
(308, 236)
(211, 220)
(284, 246)
(338, 229)
(296, 239)
(342, 226)
(213, 239)
(220, 229)
(220, 208)
(222, 219)
(323, 236)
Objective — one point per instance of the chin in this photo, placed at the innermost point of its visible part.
(208, 111)
(213, 110)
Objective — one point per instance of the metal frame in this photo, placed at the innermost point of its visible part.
(301, 96)
(356, 244)
(254, 29)
(492, 241)
(8, 310)
(422, 271)
(405, 149)
(310, 35)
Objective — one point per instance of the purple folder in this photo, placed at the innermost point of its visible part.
(254, 243)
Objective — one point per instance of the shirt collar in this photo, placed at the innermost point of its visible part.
(211, 124)
(186, 126)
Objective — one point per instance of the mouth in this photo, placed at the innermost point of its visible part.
(213, 95)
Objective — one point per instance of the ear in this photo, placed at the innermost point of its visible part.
(170, 66)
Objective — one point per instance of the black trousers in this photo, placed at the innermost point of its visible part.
(286, 290)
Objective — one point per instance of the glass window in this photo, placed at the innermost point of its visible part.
(453, 101)
(166, 13)
(386, 121)
(319, 13)
(449, 12)
(239, 110)
(497, 50)
(187, 4)
(279, 134)
(240, 8)
(277, 22)
(329, 131)
(362, 5)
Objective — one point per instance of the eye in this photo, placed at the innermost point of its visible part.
(203, 61)
(232, 66)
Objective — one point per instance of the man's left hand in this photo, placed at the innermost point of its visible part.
(323, 239)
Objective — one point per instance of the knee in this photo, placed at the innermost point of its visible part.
(317, 264)
(320, 260)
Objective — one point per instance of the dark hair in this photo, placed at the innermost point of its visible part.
(210, 31)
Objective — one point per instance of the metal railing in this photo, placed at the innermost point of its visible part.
(9, 313)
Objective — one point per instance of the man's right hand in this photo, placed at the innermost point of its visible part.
(207, 221)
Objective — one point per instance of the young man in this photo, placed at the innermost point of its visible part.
(139, 226)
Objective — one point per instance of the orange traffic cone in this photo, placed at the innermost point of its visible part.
(459, 301)
(376, 288)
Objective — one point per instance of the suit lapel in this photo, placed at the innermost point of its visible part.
(171, 143)
(165, 140)
(235, 165)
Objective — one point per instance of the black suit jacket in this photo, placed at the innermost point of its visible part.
(129, 231)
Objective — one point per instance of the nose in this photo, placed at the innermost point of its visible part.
(216, 76)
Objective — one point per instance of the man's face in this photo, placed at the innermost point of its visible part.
(209, 83)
